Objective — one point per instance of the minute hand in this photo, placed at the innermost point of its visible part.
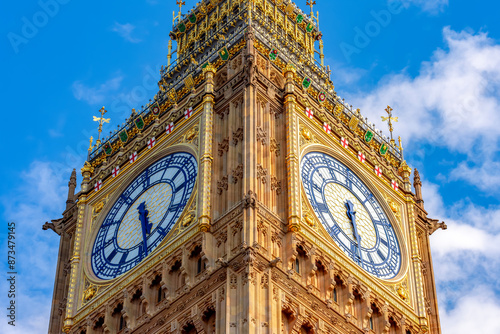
(351, 214)
(146, 227)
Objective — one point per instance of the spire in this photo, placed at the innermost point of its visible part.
(418, 189)
(71, 189)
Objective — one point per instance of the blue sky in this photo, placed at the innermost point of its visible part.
(437, 63)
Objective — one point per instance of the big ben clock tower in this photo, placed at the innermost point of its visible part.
(247, 197)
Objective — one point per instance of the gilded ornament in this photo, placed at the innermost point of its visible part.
(402, 292)
(339, 109)
(89, 293)
(189, 218)
(393, 206)
(290, 68)
(309, 220)
(87, 168)
(306, 134)
(353, 123)
(98, 207)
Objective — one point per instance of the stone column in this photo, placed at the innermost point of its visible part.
(292, 149)
(206, 160)
(71, 305)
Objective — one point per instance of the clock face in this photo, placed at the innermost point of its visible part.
(351, 214)
(143, 215)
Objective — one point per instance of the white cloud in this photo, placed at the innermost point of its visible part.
(475, 312)
(432, 6)
(452, 103)
(96, 95)
(483, 174)
(125, 31)
(41, 197)
(466, 262)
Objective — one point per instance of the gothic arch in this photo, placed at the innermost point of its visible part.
(277, 78)
(195, 323)
(303, 323)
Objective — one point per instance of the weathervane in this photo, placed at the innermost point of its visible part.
(389, 120)
(101, 121)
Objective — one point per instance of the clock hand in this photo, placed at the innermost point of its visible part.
(146, 227)
(351, 214)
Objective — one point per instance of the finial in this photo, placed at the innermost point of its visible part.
(90, 145)
(389, 120)
(401, 148)
(101, 121)
(180, 3)
(311, 4)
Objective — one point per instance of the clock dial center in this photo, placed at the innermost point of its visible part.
(156, 199)
(336, 196)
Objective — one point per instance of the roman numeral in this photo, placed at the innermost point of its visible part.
(370, 196)
(124, 258)
(126, 199)
(322, 207)
(112, 255)
(174, 208)
(180, 187)
(382, 256)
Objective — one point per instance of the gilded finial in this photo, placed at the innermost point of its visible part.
(178, 16)
(101, 121)
(311, 4)
(389, 120)
(401, 148)
(90, 145)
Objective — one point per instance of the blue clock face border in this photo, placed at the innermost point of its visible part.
(318, 170)
(176, 172)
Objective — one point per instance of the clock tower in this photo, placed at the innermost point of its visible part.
(246, 197)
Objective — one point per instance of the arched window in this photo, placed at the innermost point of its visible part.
(98, 329)
(117, 315)
(297, 265)
(136, 302)
(157, 289)
(209, 320)
(197, 263)
(189, 329)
